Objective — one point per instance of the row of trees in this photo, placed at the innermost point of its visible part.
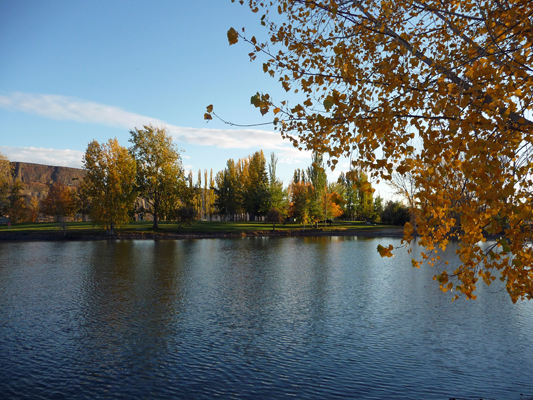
(148, 178)
(119, 182)
(245, 188)
(250, 188)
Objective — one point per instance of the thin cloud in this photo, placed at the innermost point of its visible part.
(64, 108)
(71, 109)
(39, 155)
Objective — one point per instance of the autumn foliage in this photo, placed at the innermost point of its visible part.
(60, 202)
(110, 183)
(441, 90)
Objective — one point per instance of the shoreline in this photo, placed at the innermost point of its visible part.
(34, 236)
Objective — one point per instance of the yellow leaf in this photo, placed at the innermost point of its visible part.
(233, 36)
(385, 251)
(328, 103)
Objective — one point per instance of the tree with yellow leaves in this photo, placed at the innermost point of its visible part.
(455, 74)
(160, 172)
(5, 183)
(60, 203)
(109, 183)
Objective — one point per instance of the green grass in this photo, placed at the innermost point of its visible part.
(199, 227)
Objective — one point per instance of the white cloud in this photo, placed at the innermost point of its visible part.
(39, 155)
(72, 109)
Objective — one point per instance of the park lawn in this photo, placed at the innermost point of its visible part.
(209, 227)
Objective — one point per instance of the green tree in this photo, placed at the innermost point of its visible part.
(256, 194)
(175, 196)
(277, 195)
(365, 205)
(18, 211)
(212, 195)
(274, 216)
(350, 196)
(186, 216)
(83, 200)
(358, 195)
(159, 167)
(395, 213)
(111, 177)
(378, 209)
(228, 190)
(319, 183)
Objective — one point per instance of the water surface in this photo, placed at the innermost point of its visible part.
(250, 318)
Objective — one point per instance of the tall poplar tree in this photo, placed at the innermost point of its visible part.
(277, 195)
(256, 201)
(319, 181)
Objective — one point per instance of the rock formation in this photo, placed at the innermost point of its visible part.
(37, 178)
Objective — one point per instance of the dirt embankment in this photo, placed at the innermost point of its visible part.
(72, 235)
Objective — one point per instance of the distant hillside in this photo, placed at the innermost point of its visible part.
(37, 177)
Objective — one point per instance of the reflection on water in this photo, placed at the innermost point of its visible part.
(249, 318)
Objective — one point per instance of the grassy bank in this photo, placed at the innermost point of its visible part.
(140, 229)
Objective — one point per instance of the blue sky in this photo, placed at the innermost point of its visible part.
(74, 71)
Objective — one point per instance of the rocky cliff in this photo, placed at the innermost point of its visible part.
(37, 177)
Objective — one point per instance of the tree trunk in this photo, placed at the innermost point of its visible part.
(326, 210)
(156, 212)
(413, 221)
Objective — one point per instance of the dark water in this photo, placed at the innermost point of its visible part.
(308, 318)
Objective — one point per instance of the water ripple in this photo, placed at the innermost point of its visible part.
(308, 318)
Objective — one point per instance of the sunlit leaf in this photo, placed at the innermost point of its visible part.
(233, 36)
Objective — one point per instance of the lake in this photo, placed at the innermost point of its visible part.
(250, 318)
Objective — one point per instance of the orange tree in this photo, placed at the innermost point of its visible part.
(456, 75)
(300, 193)
(60, 203)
